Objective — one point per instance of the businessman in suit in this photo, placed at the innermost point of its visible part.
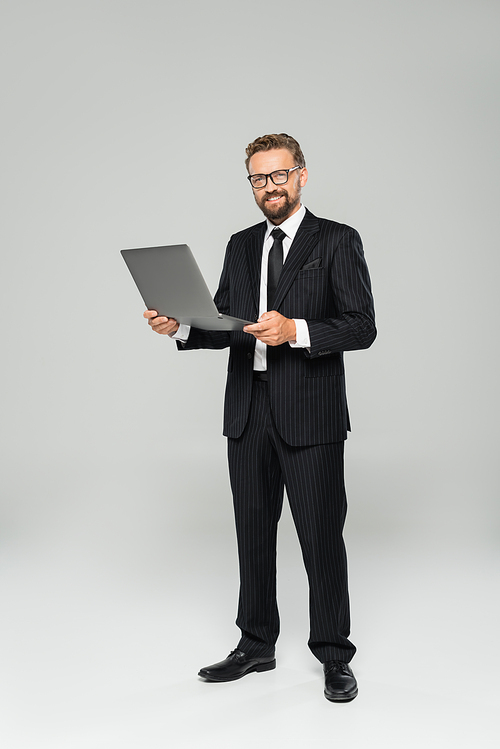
(305, 282)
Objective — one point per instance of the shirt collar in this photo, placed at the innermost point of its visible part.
(290, 226)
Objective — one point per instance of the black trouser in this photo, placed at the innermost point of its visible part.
(260, 465)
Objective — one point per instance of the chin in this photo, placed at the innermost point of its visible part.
(279, 213)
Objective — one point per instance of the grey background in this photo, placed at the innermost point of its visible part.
(124, 124)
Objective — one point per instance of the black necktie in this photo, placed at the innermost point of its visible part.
(274, 265)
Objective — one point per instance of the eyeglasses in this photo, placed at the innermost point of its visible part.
(280, 177)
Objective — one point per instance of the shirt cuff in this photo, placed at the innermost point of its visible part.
(302, 338)
(182, 333)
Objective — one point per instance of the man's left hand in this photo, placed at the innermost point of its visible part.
(273, 329)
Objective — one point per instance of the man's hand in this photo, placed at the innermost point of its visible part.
(163, 325)
(273, 329)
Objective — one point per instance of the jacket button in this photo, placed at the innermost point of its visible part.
(249, 355)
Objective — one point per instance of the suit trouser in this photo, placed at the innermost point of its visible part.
(260, 465)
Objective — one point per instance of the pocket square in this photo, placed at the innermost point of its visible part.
(313, 264)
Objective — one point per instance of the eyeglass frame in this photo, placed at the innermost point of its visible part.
(252, 176)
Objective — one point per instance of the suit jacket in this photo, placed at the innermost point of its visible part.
(324, 281)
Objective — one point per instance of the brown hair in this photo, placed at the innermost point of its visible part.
(275, 140)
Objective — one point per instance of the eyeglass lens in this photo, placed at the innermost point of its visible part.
(279, 178)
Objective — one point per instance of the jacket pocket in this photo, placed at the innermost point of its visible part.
(325, 366)
(316, 263)
(310, 273)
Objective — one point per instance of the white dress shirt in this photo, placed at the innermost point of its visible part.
(290, 227)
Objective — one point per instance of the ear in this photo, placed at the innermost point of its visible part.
(303, 177)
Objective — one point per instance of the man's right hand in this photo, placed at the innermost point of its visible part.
(163, 325)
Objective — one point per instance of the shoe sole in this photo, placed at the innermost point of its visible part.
(342, 698)
(257, 668)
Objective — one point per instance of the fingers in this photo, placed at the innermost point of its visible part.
(272, 329)
(166, 328)
(160, 324)
(264, 322)
(269, 316)
(251, 329)
(270, 335)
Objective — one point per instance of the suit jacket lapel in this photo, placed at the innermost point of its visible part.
(254, 260)
(305, 239)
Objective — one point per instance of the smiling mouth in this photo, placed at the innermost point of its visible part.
(274, 198)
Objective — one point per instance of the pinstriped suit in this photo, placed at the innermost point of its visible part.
(290, 431)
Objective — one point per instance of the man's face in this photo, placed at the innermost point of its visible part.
(277, 202)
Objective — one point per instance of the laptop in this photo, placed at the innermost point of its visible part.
(170, 282)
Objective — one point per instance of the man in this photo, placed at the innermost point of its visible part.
(305, 282)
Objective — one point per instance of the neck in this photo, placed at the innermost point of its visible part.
(278, 221)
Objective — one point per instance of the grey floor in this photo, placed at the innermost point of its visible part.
(101, 653)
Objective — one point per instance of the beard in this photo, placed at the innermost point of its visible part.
(281, 212)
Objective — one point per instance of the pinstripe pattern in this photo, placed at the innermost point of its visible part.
(290, 431)
(260, 463)
(307, 390)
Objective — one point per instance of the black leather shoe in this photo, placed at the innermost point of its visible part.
(340, 684)
(236, 665)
